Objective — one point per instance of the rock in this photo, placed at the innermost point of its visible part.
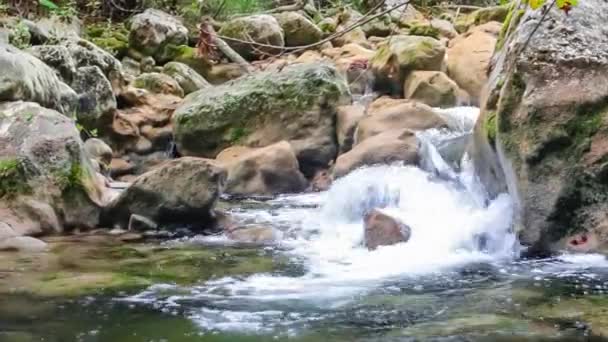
(98, 150)
(469, 70)
(271, 170)
(328, 25)
(351, 60)
(42, 157)
(383, 230)
(254, 234)
(482, 16)
(57, 57)
(542, 131)
(346, 19)
(26, 78)
(385, 148)
(263, 29)
(61, 27)
(222, 73)
(152, 31)
(140, 223)
(120, 167)
(403, 54)
(96, 101)
(158, 83)
(188, 79)
(86, 53)
(23, 244)
(157, 196)
(131, 67)
(434, 88)
(445, 28)
(189, 56)
(380, 27)
(423, 28)
(347, 120)
(387, 114)
(297, 104)
(321, 181)
(297, 29)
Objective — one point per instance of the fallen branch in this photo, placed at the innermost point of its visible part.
(298, 5)
(207, 30)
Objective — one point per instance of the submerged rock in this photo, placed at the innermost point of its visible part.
(542, 130)
(178, 192)
(24, 77)
(297, 104)
(271, 170)
(383, 230)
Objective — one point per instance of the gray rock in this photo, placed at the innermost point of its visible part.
(297, 29)
(158, 83)
(57, 57)
(158, 196)
(98, 150)
(263, 28)
(25, 77)
(140, 223)
(23, 244)
(153, 31)
(188, 79)
(96, 101)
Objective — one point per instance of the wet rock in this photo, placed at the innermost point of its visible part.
(348, 118)
(263, 29)
(387, 114)
(352, 60)
(42, 156)
(298, 30)
(188, 79)
(158, 83)
(157, 196)
(394, 60)
(141, 223)
(24, 77)
(296, 104)
(57, 57)
(23, 244)
(152, 31)
(253, 234)
(384, 148)
(321, 181)
(383, 230)
(96, 101)
(470, 70)
(434, 88)
(542, 130)
(271, 170)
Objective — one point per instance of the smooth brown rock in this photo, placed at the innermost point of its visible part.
(384, 230)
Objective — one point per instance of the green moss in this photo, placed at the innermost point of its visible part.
(511, 21)
(482, 16)
(424, 29)
(72, 179)
(237, 133)
(112, 38)
(189, 56)
(12, 178)
(489, 126)
(20, 36)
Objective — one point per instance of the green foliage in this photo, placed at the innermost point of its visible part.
(20, 36)
(224, 8)
(564, 5)
(49, 5)
(71, 179)
(12, 178)
(88, 133)
(237, 133)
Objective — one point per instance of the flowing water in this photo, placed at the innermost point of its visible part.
(459, 277)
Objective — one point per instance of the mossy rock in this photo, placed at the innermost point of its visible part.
(298, 30)
(425, 29)
(158, 83)
(112, 38)
(263, 29)
(482, 16)
(13, 180)
(189, 56)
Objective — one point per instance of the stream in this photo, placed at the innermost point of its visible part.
(459, 278)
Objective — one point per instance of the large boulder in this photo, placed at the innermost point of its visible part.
(386, 148)
(187, 78)
(25, 77)
(542, 134)
(345, 19)
(434, 88)
(158, 83)
(57, 57)
(263, 29)
(470, 56)
(157, 195)
(153, 31)
(482, 16)
(86, 53)
(270, 170)
(381, 229)
(42, 157)
(387, 114)
(96, 101)
(298, 30)
(297, 104)
(400, 55)
(346, 123)
(352, 61)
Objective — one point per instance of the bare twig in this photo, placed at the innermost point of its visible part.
(547, 9)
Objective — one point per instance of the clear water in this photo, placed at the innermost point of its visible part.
(459, 278)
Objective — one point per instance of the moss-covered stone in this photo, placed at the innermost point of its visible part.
(12, 178)
(482, 16)
(158, 83)
(424, 29)
(112, 38)
(189, 56)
